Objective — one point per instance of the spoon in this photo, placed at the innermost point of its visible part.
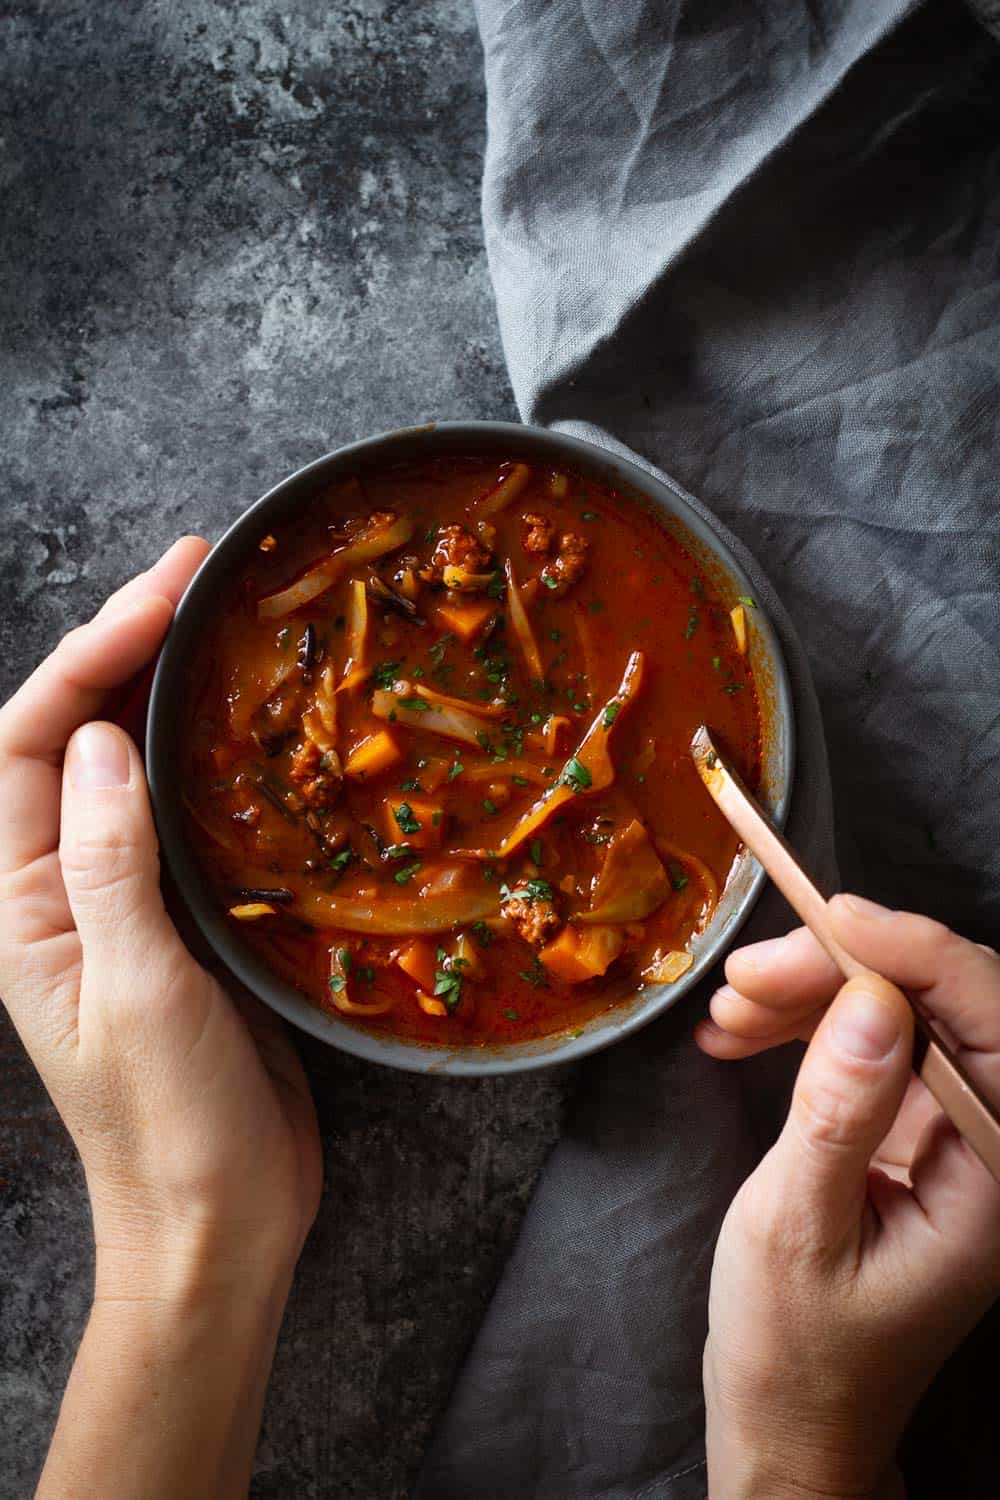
(971, 1113)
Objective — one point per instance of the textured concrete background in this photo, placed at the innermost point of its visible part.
(231, 238)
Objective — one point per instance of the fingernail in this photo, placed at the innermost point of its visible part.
(863, 1026)
(760, 955)
(97, 757)
(860, 907)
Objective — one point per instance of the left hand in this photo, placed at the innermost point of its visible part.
(192, 1118)
(866, 1245)
(189, 1108)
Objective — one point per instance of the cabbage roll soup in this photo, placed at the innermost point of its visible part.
(435, 758)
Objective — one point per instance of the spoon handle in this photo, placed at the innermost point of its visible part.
(972, 1114)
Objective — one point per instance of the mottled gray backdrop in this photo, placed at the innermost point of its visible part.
(233, 236)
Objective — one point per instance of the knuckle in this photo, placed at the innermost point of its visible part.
(109, 866)
(825, 1115)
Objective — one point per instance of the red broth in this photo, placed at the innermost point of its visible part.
(435, 758)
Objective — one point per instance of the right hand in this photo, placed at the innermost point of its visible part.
(866, 1245)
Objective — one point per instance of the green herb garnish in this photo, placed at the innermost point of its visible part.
(511, 1015)
(483, 934)
(413, 785)
(535, 975)
(574, 775)
(383, 674)
(405, 818)
(419, 705)
(692, 624)
(406, 873)
(678, 879)
(339, 862)
(550, 581)
(532, 891)
(456, 770)
(448, 980)
(610, 714)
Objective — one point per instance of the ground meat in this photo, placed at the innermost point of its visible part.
(315, 773)
(534, 921)
(456, 548)
(560, 574)
(538, 532)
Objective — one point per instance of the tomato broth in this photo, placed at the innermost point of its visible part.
(435, 750)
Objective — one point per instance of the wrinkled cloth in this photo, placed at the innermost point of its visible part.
(755, 246)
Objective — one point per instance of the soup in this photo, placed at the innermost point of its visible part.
(435, 754)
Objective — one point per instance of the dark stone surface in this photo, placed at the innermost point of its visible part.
(234, 236)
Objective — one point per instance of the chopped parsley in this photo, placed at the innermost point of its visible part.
(489, 806)
(519, 780)
(440, 646)
(397, 851)
(531, 891)
(555, 635)
(574, 775)
(337, 983)
(550, 581)
(405, 818)
(535, 975)
(418, 672)
(339, 862)
(589, 515)
(456, 770)
(383, 673)
(483, 934)
(610, 714)
(448, 980)
(750, 603)
(678, 879)
(406, 873)
(511, 1015)
(413, 785)
(419, 705)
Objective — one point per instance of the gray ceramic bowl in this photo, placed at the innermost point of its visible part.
(279, 507)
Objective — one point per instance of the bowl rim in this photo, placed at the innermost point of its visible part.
(601, 1030)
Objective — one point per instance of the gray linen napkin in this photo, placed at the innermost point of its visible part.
(756, 246)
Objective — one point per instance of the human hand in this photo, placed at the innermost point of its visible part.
(189, 1109)
(866, 1245)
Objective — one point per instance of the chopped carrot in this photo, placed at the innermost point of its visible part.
(374, 754)
(419, 960)
(466, 620)
(428, 816)
(434, 772)
(575, 955)
(251, 910)
(739, 619)
(430, 1006)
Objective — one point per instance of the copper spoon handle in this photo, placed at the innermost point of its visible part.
(962, 1101)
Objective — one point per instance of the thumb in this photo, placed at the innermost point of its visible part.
(109, 855)
(848, 1092)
